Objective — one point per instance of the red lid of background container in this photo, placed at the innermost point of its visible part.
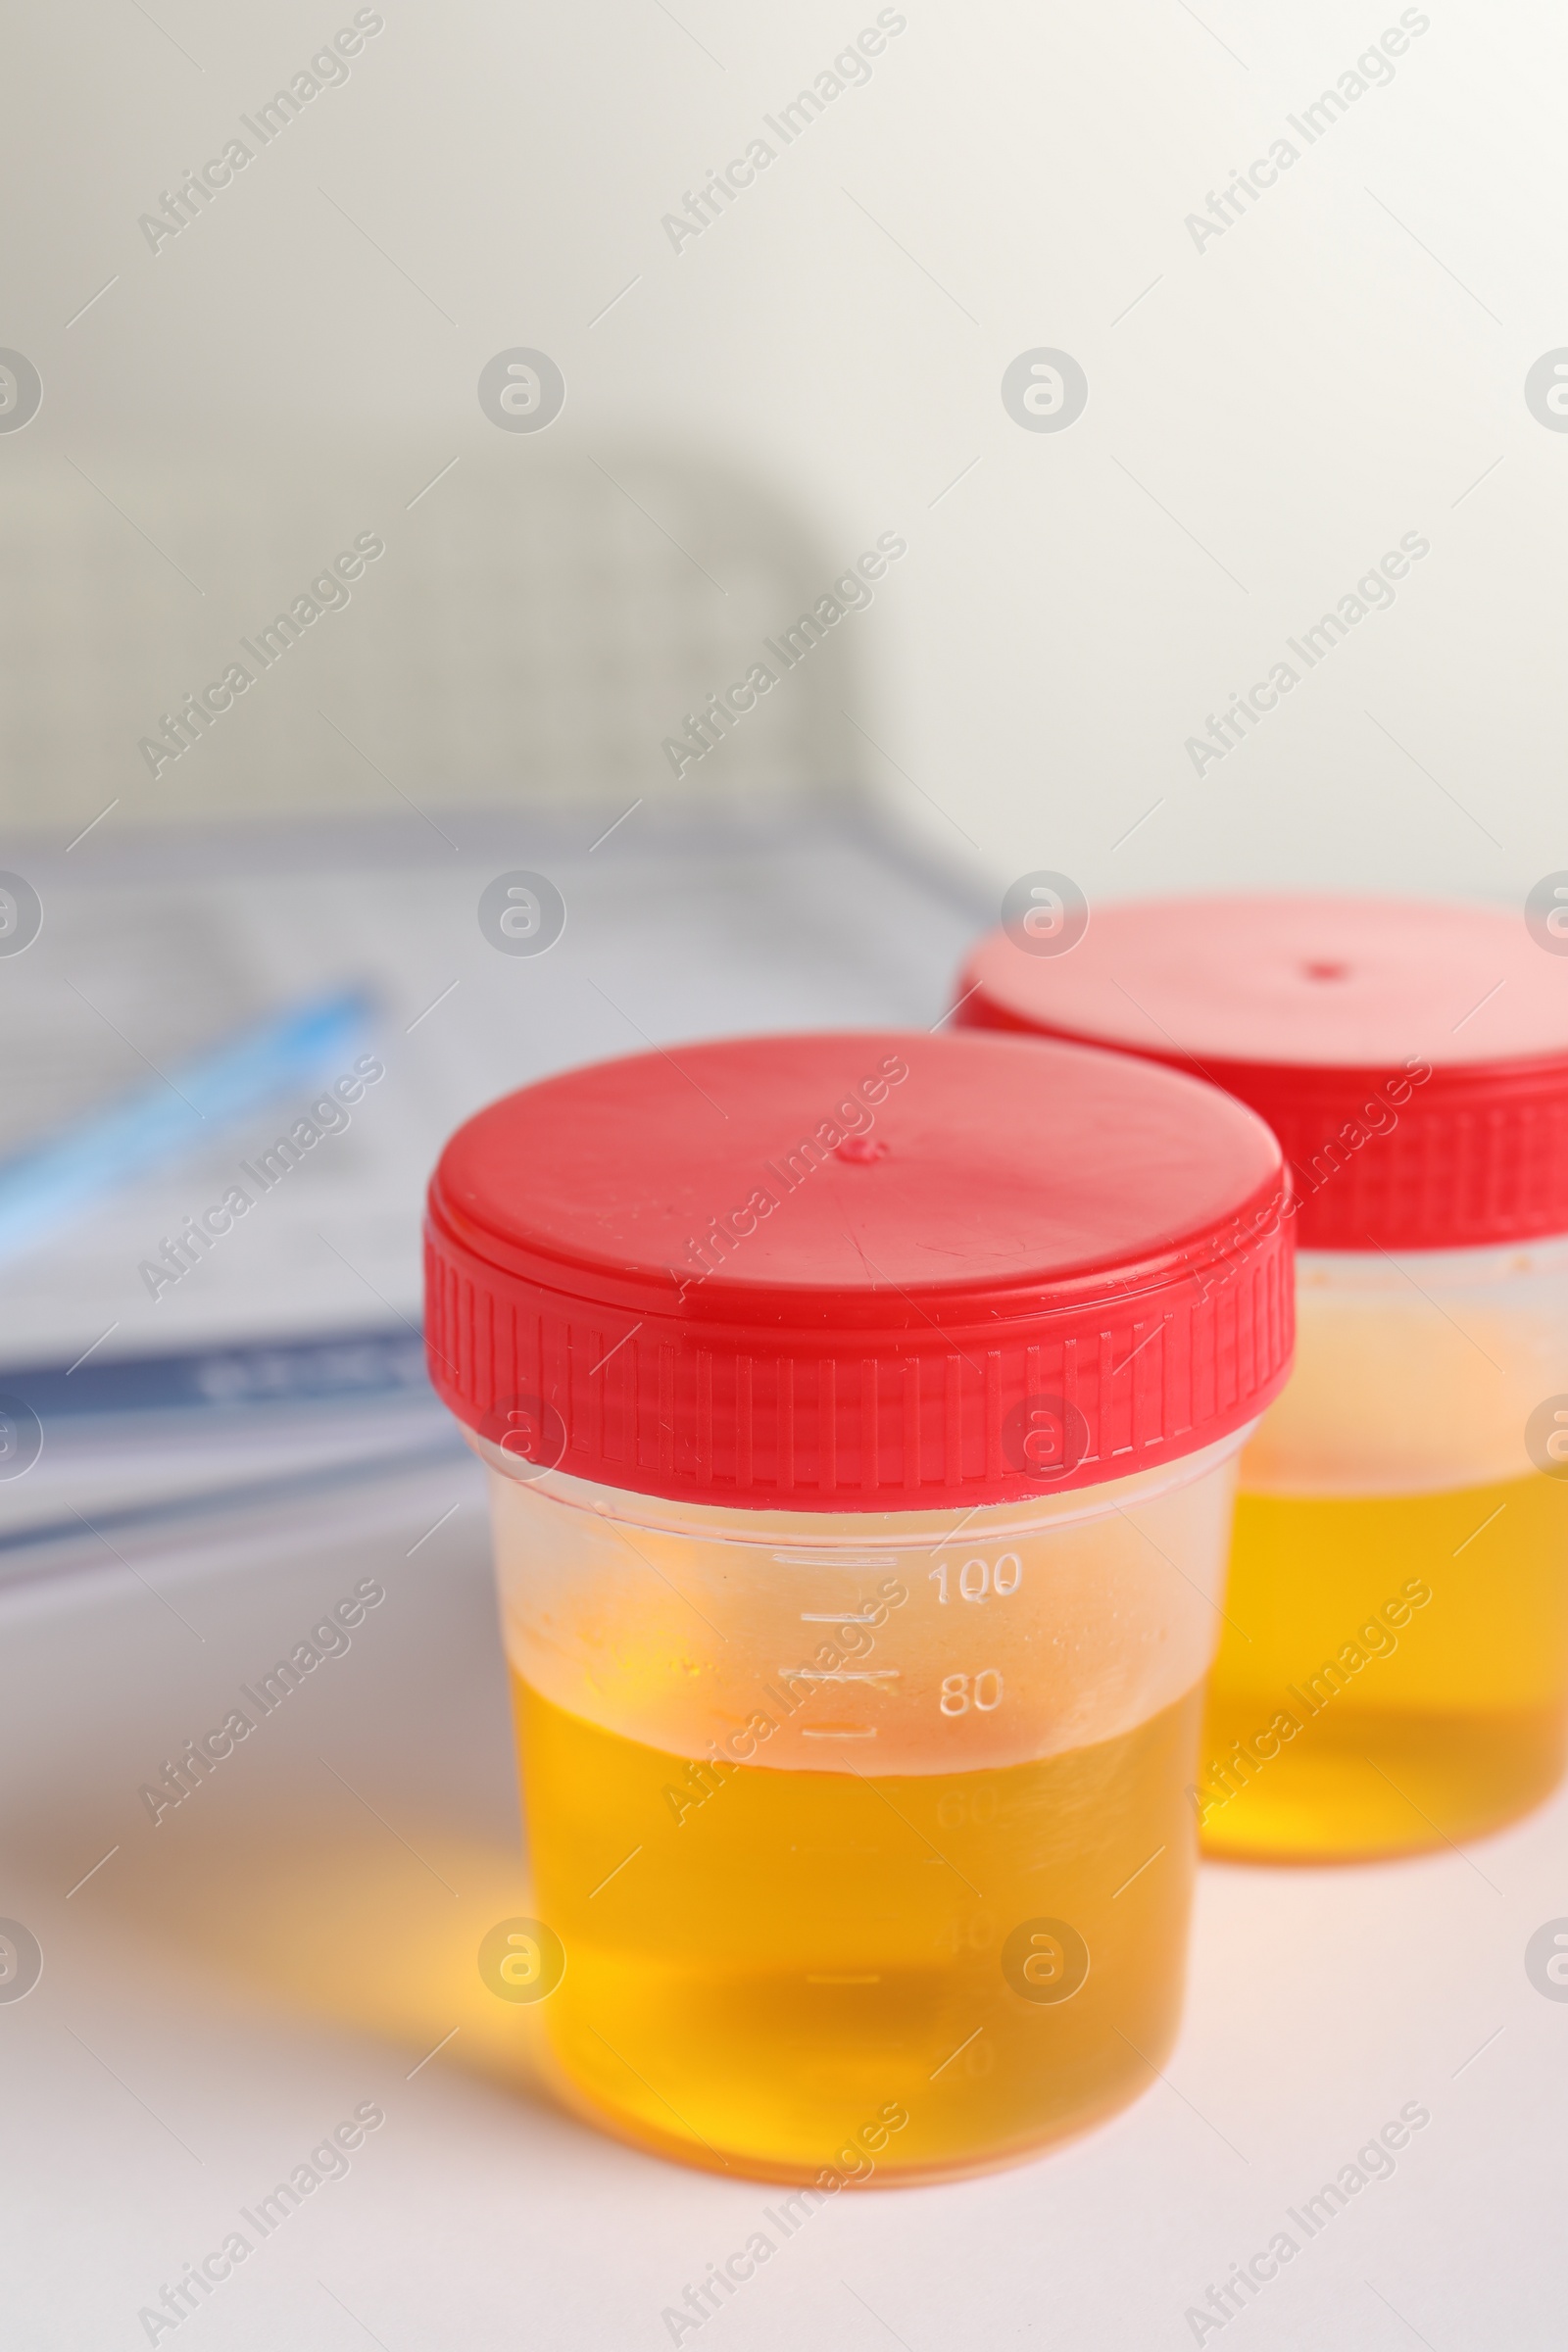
(1412, 1057)
(859, 1271)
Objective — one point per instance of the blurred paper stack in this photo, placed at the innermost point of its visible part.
(231, 1063)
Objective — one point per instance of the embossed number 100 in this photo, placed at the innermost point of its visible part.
(978, 1577)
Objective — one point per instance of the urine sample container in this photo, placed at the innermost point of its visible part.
(1392, 1673)
(861, 1413)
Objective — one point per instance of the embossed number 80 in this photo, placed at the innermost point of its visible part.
(960, 1693)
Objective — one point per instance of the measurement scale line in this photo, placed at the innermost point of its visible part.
(846, 1673)
(864, 1735)
(835, 1559)
(837, 1617)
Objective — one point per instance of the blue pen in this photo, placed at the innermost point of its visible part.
(51, 1183)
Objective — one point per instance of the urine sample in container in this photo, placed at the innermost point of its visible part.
(861, 1413)
(1392, 1673)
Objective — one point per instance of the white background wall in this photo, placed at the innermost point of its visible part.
(1343, 365)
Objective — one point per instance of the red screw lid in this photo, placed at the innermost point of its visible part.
(859, 1271)
(1412, 1057)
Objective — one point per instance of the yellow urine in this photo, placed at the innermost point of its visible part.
(1455, 1719)
(766, 1983)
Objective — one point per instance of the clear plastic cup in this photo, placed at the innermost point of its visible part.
(1401, 1561)
(858, 1688)
(1393, 1674)
(848, 1821)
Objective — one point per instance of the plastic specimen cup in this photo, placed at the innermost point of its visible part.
(1394, 1672)
(861, 1413)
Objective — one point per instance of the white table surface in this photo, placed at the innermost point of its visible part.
(233, 1981)
(226, 1986)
